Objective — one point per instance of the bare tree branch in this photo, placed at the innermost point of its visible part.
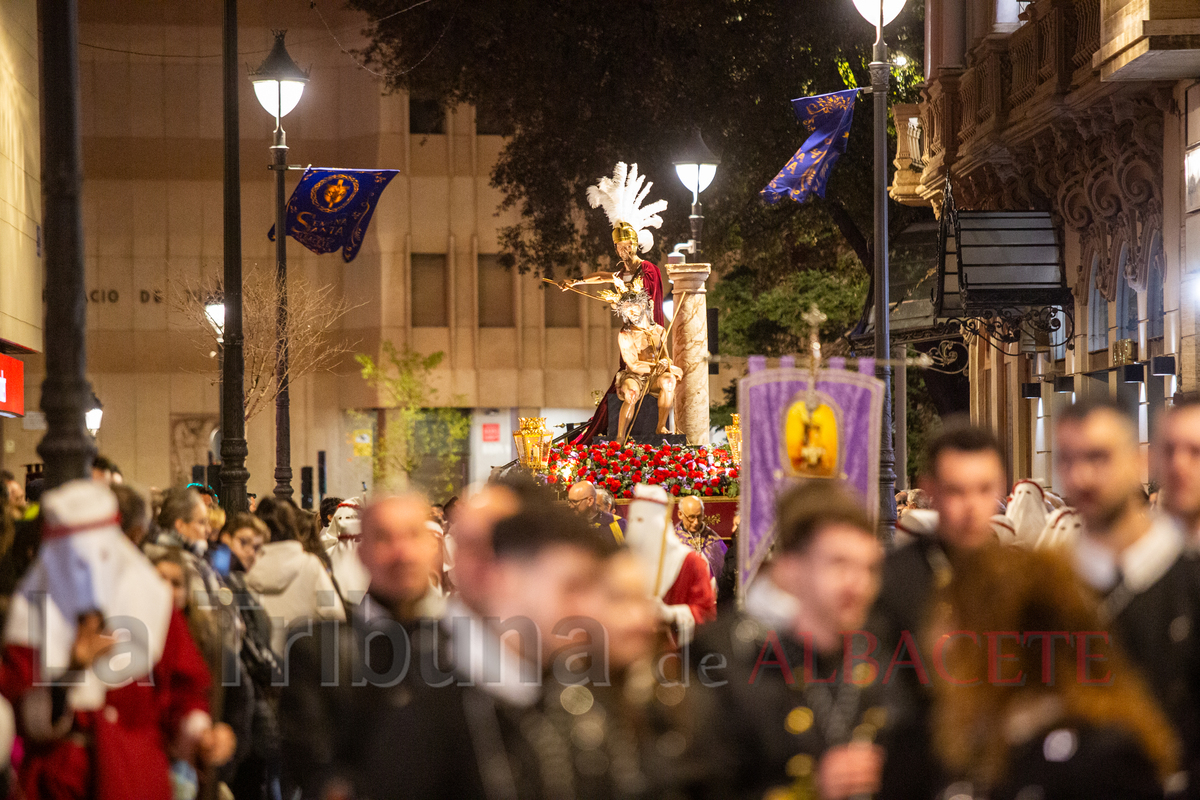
(313, 313)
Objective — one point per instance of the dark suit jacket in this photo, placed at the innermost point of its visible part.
(358, 713)
(746, 730)
(911, 771)
(1084, 763)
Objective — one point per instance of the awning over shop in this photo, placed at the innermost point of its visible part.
(1009, 258)
(996, 274)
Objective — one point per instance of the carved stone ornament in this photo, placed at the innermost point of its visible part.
(1097, 169)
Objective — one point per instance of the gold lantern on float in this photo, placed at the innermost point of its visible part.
(734, 434)
(533, 443)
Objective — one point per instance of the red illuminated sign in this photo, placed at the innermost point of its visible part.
(491, 431)
(12, 387)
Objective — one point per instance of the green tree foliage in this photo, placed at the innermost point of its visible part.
(761, 315)
(578, 86)
(419, 446)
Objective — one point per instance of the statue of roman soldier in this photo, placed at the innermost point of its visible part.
(621, 197)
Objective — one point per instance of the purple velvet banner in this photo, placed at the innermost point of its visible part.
(765, 399)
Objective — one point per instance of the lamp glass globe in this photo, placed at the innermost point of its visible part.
(870, 10)
(278, 97)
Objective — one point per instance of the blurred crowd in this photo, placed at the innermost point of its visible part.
(1009, 643)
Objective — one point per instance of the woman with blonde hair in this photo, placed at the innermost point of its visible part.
(1031, 697)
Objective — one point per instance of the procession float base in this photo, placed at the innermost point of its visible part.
(702, 471)
(645, 424)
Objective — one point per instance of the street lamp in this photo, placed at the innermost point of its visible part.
(696, 167)
(214, 312)
(93, 415)
(278, 84)
(879, 13)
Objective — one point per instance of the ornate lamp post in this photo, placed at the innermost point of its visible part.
(879, 13)
(278, 84)
(696, 167)
(67, 449)
(233, 416)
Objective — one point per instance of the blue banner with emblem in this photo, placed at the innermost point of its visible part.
(331, 208)
(829, 117)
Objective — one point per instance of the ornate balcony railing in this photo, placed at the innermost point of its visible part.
(1009, 79)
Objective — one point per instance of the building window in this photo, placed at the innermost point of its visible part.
(1097, 311)
(425, 116)
(1127, 311)
(1154, 289)
(562, 308)
(489, 120)
(428, 293)
(1008, 15)
(496, 284)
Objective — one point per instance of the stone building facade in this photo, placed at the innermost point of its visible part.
(427, 275)
(1087, 109)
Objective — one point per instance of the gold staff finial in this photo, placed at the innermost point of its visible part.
(813, 317)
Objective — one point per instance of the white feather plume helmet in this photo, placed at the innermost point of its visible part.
(621, 197)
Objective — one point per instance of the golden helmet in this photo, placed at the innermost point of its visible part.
(624, 232)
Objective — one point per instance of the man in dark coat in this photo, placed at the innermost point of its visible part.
(581, 498)
(341, 679)
(796, 714)
(965, 479)
(693, 531)
(1147, 584)
(452, 710)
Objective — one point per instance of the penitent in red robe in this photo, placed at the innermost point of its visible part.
(693, 587)
(129, 735)
(652, 283)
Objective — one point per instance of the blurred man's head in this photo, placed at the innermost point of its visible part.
(582, 499)
(622, 604)
(964, 479)
(450, 510)
(102, 470)
(472, 534)
(398, 549)
(171, 568)
(546, 569)
(245, 534)
(918, 499)
(1099, 462)
(1177, 463)
(605, 501)
(691, 514)
(827, 556)
(135, 513)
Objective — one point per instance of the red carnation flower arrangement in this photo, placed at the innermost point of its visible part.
(682, 471)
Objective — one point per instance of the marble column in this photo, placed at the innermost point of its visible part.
(689, 348)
